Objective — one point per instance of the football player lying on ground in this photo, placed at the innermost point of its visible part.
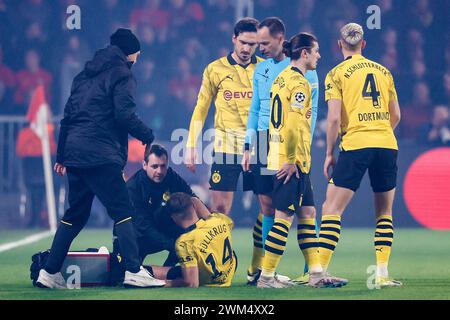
(204, 249)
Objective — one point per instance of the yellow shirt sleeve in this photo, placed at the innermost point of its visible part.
(392, 91)
(186, 253)
(333, 88)
(205, 96)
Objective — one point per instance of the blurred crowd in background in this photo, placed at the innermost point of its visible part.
(180, 37)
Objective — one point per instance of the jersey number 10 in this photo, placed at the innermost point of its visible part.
(370, 90)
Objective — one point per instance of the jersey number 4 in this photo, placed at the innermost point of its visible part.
(227, 255)
(370, 90)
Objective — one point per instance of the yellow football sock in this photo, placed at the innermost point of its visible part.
(307, 241)
(330, 230)
(384, 235)
(258, 251)
(275, 246)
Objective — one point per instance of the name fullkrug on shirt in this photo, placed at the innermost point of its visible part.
(212, 233)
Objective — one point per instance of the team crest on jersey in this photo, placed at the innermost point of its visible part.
(166, 196)
(280, 82)
(216, 177)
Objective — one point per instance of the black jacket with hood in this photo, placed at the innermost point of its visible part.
(100, 113)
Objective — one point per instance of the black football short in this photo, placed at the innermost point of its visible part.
(262, 179)
(289, 197)
(225, 172)
(352, 165)
(308, 196)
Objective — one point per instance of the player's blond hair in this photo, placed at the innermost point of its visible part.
(352, 35)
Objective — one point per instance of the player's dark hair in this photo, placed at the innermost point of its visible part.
(245, 25)
(156, 149)
(179, 203)
(275, 26)
(293, 48)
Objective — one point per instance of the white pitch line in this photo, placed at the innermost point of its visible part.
(30, 239)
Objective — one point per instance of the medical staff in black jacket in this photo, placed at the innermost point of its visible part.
(150, 189)
(92, 148)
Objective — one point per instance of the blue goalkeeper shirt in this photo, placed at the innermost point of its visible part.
(263, 77)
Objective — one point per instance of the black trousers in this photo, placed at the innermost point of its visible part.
(105, 182)
(149, 242)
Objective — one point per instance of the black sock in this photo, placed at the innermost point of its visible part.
(172, 259)
(150, 270)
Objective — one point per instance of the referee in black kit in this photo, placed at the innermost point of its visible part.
(92, 148)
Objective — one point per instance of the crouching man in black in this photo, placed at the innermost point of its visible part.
(150, 189)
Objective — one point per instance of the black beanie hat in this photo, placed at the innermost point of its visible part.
(126, 41)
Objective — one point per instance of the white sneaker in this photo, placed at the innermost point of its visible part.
(50, 281)
(142, 279)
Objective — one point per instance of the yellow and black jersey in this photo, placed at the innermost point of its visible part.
(365, 89)
(207, 245)
(229, 85)
(290, 121)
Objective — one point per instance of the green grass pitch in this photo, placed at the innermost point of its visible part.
(420, 259)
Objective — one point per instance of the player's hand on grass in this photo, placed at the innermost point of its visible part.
(246, 160)
(189, 159)
(59, 169)
(287, 171)
(329, 163)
